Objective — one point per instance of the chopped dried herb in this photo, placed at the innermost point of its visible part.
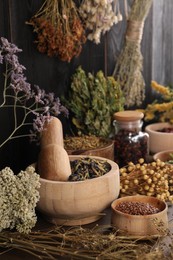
(88, 168)
(84, 142)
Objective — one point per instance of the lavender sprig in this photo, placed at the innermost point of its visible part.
(18, 94)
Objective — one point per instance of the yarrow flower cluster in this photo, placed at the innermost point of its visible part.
(161, 109)
(19, 95)
(99, 17)
(18, 198)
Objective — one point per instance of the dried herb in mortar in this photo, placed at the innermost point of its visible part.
(88, 168)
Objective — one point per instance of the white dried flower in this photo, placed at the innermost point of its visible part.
(98, 15)
(120, 17)
(18, 198)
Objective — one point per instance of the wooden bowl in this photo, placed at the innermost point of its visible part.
(81, 202)
(164, 156)
(141, 225)
(159, 141)
(107, 151)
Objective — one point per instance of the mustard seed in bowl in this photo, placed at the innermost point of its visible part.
(136, 208)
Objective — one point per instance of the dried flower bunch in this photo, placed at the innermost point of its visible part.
(59, 29)
(18, 95)
(151, 179)
(161, 110)
(99, 17)
(92, 101)
(18, 198)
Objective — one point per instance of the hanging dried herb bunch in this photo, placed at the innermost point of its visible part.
(128, 68)
(59, 29)
(99, 17)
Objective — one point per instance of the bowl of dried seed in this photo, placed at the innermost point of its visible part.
(140, 215)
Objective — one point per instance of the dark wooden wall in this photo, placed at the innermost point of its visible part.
(54, 75)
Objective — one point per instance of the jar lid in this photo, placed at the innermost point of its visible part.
(128, 115)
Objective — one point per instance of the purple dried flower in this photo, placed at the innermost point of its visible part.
(64, 110)
(50, 97)
(39, 122)
(38, 126)
(9, 47)
(18, 93)
(12, 60)
(39, 95)
(19, 84)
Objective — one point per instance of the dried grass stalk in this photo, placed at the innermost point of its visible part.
(129, 66)
(101, 242)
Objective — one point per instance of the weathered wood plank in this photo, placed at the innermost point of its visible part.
(162, 42)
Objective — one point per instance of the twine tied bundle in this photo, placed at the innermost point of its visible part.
(129, 66)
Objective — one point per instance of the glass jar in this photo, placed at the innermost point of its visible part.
(131, 143)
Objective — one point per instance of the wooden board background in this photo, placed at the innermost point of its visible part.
(54, 75)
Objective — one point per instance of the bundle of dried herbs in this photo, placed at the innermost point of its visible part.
(88, 168)
(92, 101)
(59, 29)
(128, 68)
(83, 142)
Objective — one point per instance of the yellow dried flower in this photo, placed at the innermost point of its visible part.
(162, 110)
(160, 88)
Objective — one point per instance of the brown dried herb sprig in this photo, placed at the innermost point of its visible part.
(81, 243)
(59, 29)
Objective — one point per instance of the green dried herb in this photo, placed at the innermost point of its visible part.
(92, 102)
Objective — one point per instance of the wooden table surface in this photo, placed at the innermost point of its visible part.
(44, 226)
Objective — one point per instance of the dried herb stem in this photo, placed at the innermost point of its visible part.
(78, 243)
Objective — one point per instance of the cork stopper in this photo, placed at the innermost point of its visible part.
(128, 115)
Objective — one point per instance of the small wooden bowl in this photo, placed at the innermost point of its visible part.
(141, 225)
(164, 156)
(80, 202)
(159, 141)
(106, 151)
